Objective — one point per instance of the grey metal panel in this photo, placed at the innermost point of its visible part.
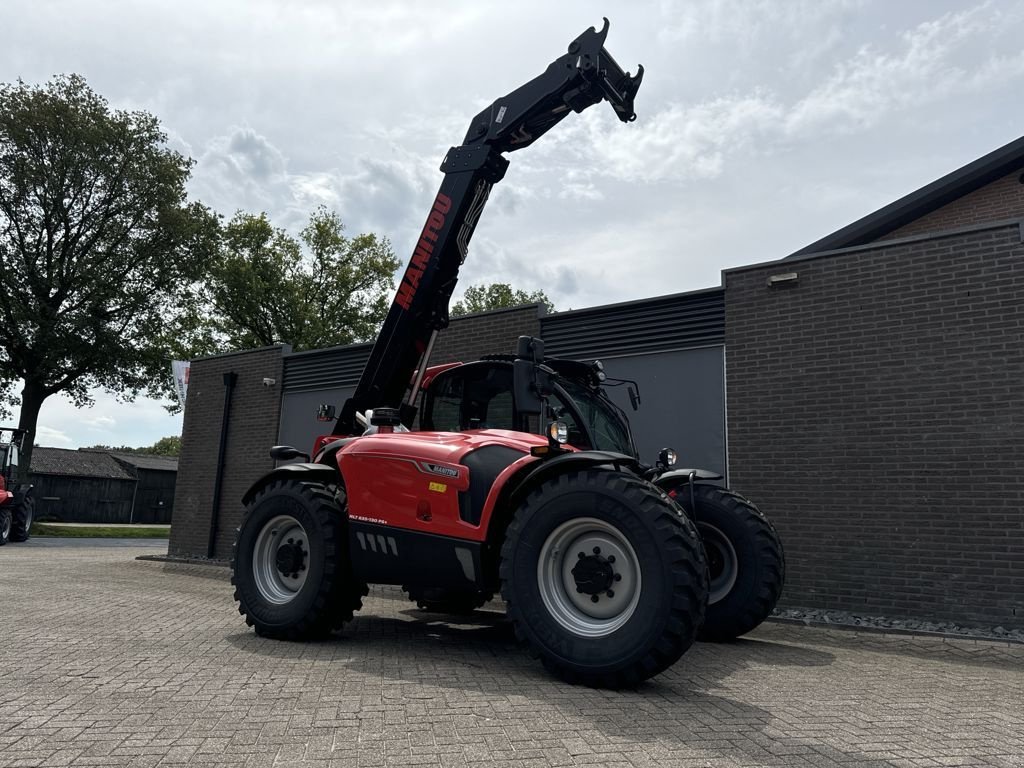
(650, 325)
(325, 368)
(299, 426)
(683, 404)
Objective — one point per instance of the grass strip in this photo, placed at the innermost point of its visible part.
(100, 531)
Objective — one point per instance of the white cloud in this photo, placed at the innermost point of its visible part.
(53, 437)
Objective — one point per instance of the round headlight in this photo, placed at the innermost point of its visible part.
(559, 431)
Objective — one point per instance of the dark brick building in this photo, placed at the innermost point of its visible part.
(875, 405)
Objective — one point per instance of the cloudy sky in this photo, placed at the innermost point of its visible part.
(762, 125)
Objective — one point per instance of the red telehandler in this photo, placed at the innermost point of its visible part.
(604, 576)
(16, 500)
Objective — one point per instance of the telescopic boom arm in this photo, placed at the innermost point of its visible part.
(584, 76)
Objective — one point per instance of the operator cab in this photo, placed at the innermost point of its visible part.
(480, 395)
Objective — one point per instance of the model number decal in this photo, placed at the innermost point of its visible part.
(362, 519)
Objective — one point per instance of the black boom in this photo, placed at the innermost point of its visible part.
(585, 75)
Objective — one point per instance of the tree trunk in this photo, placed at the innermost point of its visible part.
(32, 397)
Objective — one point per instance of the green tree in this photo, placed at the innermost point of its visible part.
(319, 290)
(99, 247)
(480, 298)
(165, 446)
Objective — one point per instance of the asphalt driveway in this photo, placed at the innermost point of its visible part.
(110, 661)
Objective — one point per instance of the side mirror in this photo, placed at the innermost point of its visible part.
(527, 397)
(530, 348)
(287, 453)
(634, 398)
(325, 412)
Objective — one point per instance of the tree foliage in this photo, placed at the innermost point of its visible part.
(99, 246)
(165, 446)
(322, 289)
(480, 298)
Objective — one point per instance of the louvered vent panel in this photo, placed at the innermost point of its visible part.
(649, 325)
(325, 368)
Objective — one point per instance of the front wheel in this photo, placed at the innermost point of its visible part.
(604, 579)
(290, 565)
(745, 559)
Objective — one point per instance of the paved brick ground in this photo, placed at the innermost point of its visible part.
(108, 661)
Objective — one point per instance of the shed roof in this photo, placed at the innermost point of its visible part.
(148, 461)
(65, 461)
(963, 181)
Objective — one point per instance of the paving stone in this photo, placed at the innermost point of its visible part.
(111, 661)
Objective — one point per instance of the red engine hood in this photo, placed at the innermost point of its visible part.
(441, 446)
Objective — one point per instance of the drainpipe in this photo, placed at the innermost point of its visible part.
(230, 379)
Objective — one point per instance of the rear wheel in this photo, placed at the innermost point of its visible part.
(22, 515)
(440, 600)
(604, 579)
(5, 524)
(290, 565)
(745, 559)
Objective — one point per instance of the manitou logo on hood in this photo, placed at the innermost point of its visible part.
(424, 249)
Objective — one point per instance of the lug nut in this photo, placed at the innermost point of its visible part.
(593, 598)
(597, 550)
(611, 558)
(580, 590)
(610, 593)
(582, 555)
(291, 541)
(618, 577)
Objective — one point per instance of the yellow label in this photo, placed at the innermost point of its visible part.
(439, 487)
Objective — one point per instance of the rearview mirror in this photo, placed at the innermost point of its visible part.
(325, 412)
(287, 453)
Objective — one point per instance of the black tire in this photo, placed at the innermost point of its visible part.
(666, 593)
(21, 518)
(440, 600)
(323, 595)
(745, 557)
(5, 524)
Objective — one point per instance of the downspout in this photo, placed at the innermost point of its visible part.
(230, 379)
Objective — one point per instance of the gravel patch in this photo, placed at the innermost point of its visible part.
(845, 619)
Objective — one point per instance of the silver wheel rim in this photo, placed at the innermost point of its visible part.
(28, 517)
(275, 586)
(7, 526)
(577, 611)
(723, 565)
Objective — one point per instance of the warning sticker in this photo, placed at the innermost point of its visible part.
(439, 487)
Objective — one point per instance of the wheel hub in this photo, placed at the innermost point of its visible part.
(593, 574)
(589, 577)
(291, 558)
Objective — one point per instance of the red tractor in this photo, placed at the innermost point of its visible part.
(16, 500)
(604, 576)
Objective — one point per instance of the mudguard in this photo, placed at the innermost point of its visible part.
(317, 473)
(570, 460)
(679, 477)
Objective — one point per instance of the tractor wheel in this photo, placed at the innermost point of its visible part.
(604, 578)
(21, 520)
(5, 524)
(745, 559)
(439, 600)
(290, 566)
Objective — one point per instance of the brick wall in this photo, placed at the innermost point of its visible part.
(1001, 200)
(876, 413)
(486, 333)
(252, 429)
